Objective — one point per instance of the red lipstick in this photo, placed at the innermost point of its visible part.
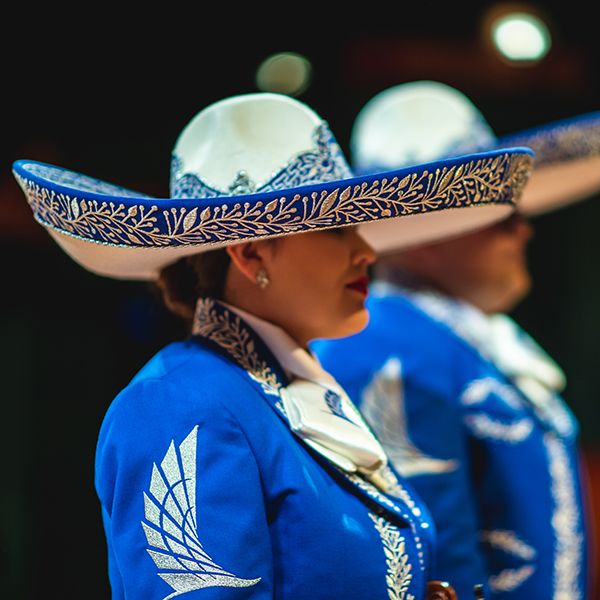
(360, 285)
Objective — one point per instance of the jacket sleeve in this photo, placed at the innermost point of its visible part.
(181, 498)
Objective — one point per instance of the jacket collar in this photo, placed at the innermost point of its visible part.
(220, 327)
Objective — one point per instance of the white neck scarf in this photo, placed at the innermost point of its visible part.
(318, 409)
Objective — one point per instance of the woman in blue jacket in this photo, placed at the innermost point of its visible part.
(233, 465)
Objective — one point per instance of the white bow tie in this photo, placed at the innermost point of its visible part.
(327, 421)
(318, 409)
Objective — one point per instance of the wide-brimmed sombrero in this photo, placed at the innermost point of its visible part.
(426, 120)
(257, 166)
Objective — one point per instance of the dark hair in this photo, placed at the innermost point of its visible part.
(197, 276)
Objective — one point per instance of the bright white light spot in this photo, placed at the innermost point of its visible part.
(521, 36)
(284, 73)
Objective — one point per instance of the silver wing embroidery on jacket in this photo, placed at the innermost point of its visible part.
(382, 405)
(172, 530)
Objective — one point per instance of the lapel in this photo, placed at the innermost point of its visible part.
(226, 333)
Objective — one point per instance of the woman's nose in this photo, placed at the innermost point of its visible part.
(364, 252)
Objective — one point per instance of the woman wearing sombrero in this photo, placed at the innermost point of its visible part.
(466, 404)
(233, 465)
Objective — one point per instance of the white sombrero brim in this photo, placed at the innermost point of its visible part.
(559, 185)
(123, 262)
(418, 230)
(567, 163)
(118, 233)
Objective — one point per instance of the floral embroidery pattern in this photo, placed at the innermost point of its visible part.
(566, 522)
(135, 221)
(398, 568)
(229, 333)
(395, 489)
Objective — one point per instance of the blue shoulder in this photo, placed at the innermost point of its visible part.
(185, 383)
(398, 328)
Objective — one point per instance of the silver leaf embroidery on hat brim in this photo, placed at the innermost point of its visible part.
(132, 224)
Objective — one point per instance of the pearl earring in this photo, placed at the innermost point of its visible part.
(262, 278)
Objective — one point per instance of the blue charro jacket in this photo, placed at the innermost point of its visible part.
(206, 492)
(499, 475)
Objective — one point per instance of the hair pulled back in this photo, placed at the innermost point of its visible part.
(197, 276)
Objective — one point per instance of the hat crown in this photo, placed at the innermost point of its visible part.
(415, 123)
(254, 143)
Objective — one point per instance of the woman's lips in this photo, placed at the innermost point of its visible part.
(360, 285)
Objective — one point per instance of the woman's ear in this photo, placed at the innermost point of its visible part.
(248, 258)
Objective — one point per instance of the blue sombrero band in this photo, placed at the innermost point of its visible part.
(250, 167)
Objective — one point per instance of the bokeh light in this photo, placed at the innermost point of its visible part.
(284, 73)
(521, 36)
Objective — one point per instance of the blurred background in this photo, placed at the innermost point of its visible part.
(106, 94)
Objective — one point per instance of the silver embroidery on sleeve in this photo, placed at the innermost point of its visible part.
(172, 530)
(382, 405)
(509, 580)
(566, 522)
(398, 568)
(484, 427)
(479, 390)
(509, 542)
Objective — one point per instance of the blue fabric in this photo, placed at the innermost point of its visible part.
(272, 519)
(519, 482)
